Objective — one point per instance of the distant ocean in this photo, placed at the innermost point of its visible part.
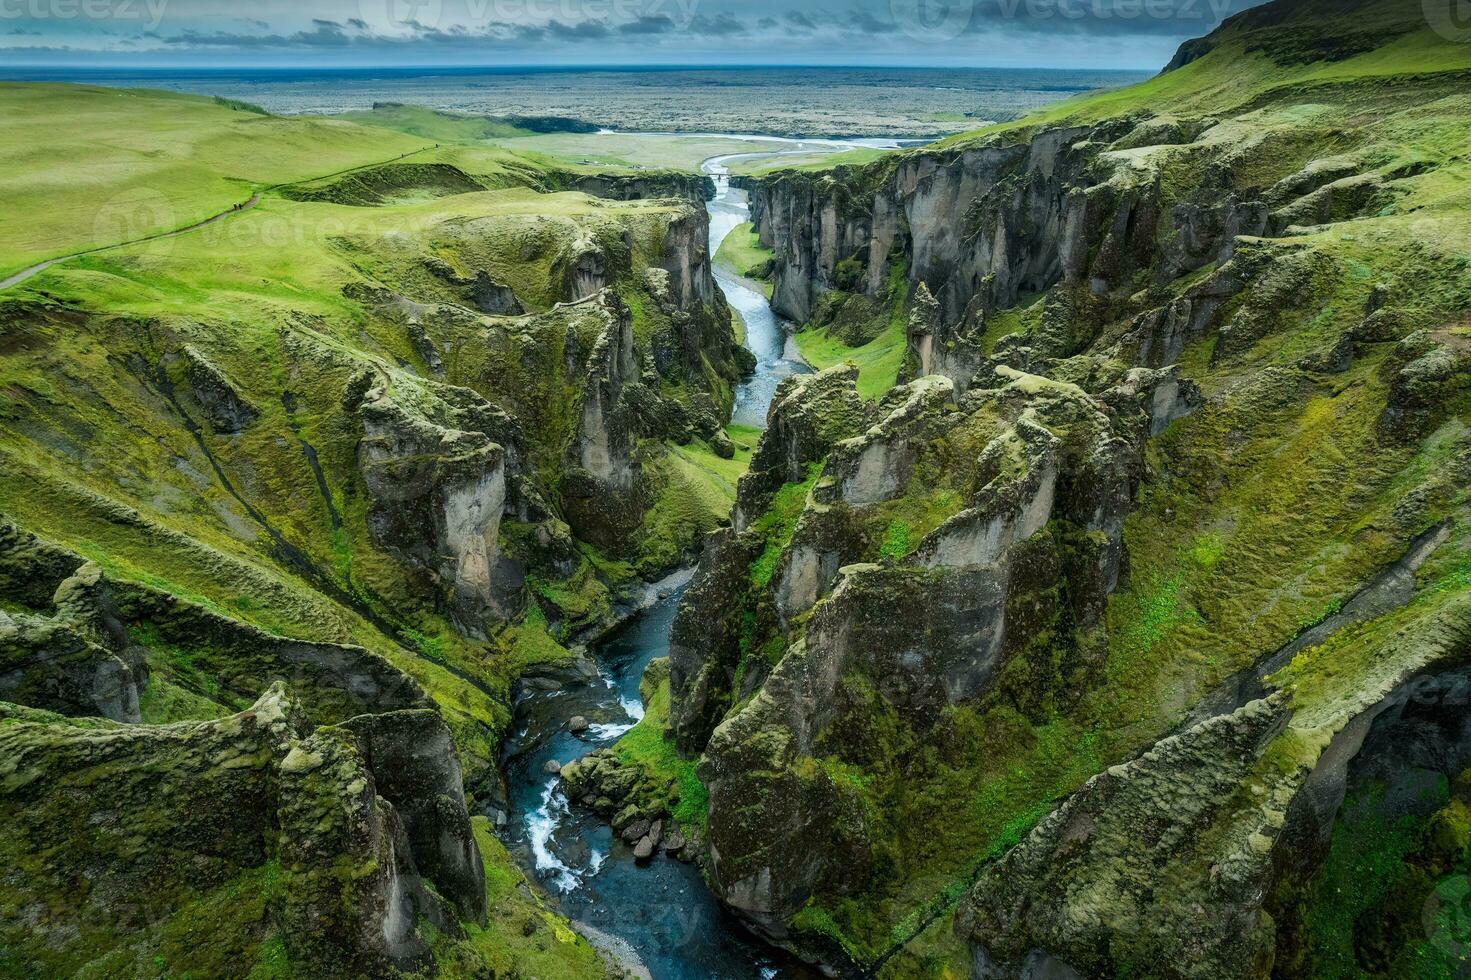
(687, 99)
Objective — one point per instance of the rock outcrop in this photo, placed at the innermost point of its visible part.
(1167, 864)
(217, 399)
(696, 189)
(601, 490)
(857, 610)
(197, 812)
(809, 415)
(930, 606)
(437, 494)
(51, 665)
(482, 290)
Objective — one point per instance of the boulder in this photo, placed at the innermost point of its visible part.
(721, 445)
(637, 829)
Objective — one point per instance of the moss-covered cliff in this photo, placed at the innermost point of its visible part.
(1056, 657)
(294, 501)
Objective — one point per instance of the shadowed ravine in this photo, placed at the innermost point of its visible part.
(661, 913)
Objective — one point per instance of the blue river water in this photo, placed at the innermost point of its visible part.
(661, 913)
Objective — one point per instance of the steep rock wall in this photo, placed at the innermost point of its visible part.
(858, 627)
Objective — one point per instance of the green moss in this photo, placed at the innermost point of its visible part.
(897, 540)
(879, 359)
(778, 524)
(814, 919)
(533, 645)
(1386, 900)
(648, 747)
(691, 497)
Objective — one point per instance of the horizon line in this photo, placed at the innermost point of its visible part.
(619, 66)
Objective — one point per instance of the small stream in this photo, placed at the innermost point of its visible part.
(662, 913)
(766, 335)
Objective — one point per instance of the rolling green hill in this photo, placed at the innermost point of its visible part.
(385, 435)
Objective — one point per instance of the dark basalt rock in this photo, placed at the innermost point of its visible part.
(493, 297)
(219, 401)
(46, 664)
(905, 635)
(705, 640)
(414, 767)
(80, 662)
(483, 291)
(809, 415)
(695, 188)
(1426, 368)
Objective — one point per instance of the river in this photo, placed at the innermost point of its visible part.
(662, 912)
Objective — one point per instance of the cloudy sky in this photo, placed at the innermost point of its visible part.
(328, 33)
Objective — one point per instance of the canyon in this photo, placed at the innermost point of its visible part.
(1044, 556)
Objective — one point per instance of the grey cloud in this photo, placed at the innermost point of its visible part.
(1103, 18)
(321, 37)
(587, 30)
(647, 25)
(760, 29)
(866, 23)
(721, 25)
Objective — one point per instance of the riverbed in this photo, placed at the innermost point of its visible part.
(661, 913)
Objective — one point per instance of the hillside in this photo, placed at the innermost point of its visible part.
(1100, 607)
(1102, 616)
(290, 506)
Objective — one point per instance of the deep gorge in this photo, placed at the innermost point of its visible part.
(1038, 552)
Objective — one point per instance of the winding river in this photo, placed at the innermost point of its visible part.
(659, 919)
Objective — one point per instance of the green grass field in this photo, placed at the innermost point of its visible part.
(878, 360)
(85, 167)
(741, 254)
(430, 124)
(808, 161)
(1237, 72)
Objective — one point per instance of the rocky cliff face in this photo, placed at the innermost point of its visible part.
(437, 495)
(1088, 894)
(1071, 204)
(272, 566)
(1080, 636)
(190, 812)
(919, 563)
(696, 189)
